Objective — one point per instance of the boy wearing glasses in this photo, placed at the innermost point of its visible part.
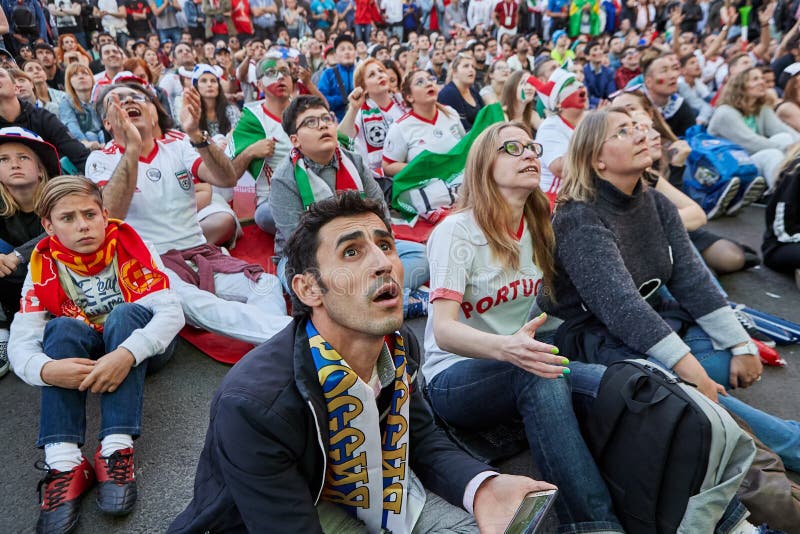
(149, 181)
(316, 169)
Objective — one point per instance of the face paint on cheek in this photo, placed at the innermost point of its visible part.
(576, 100)
(271, 84)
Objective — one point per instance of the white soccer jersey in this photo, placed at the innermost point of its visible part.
(554, 135)
(163, 209)
(372, 126)
(411, 134)
(493, 299)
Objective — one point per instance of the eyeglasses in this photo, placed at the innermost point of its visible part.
(422, 82)
(629, 132)
(314, 122)
(516, 148)
(273, 73)
(139, 98)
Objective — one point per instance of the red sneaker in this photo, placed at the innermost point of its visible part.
(116, 494)
(768, 355)
(61, 501)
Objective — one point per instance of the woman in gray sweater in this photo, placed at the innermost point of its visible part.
(744, 117)
(628, 283)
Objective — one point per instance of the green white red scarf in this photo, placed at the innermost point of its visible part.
(312, 188)
(367, 473)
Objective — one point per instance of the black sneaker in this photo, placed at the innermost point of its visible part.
(61, 500)
(116, 492)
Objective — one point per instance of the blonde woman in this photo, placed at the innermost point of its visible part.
(744, 117)
(487, 262)
(76, 111)
(628, 283)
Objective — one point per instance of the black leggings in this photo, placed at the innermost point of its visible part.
(784, 257)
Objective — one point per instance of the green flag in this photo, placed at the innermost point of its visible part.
(427, 166)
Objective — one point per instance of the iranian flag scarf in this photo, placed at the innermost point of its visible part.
(367, 473)
(137, 272)
(312, 188)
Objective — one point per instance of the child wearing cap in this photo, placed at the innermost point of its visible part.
(96, 314)
(26, 162)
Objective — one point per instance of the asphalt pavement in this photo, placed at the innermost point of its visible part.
(177, 399)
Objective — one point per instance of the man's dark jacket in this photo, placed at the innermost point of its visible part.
(263, 464)
(52, 130)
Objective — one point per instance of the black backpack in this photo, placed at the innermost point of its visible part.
(651, 442)
(24, 20)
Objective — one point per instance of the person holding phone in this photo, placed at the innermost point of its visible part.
(488, 261)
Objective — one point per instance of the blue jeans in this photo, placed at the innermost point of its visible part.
(416, 270)
(782, 436)
(263, 218)
(459, 395)
(63, 411)
(362, 32)
(174, 34)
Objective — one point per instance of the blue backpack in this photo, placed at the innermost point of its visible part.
(714, 160)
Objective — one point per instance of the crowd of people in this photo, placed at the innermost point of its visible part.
(573, 237)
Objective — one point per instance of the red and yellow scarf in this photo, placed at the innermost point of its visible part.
(137, 273)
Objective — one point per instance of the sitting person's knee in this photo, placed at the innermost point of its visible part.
(724, 257)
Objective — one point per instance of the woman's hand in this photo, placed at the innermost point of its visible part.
(678, 152)
(690, 370)
(745, 369)
(356, 98)
(534, 356)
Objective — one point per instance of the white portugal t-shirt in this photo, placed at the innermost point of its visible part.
(493, 299)
(411, 134)
(163, 209)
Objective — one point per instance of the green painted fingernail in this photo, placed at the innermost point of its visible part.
(566, 370)
(565, 361)
(554, 350)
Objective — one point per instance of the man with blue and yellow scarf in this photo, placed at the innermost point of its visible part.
(324, 428)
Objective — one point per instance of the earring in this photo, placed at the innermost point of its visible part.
(601, 165)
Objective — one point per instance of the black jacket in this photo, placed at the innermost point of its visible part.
(263, 464)
(52, 130)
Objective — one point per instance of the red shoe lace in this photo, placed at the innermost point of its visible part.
(119, 466)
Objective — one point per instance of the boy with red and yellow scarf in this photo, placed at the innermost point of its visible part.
(96, 314)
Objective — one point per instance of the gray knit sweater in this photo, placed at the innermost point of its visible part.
(613, 247)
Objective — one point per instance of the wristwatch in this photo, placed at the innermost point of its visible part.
(203, 143)
(748, 348)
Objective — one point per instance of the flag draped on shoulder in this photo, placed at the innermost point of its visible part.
(428, 167)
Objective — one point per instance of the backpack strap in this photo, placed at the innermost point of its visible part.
(340, 83)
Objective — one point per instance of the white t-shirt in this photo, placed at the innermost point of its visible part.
(411, 134)
(163, 209)
(109, 22)
(372, 129)
(493, 299)
(554, 135)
